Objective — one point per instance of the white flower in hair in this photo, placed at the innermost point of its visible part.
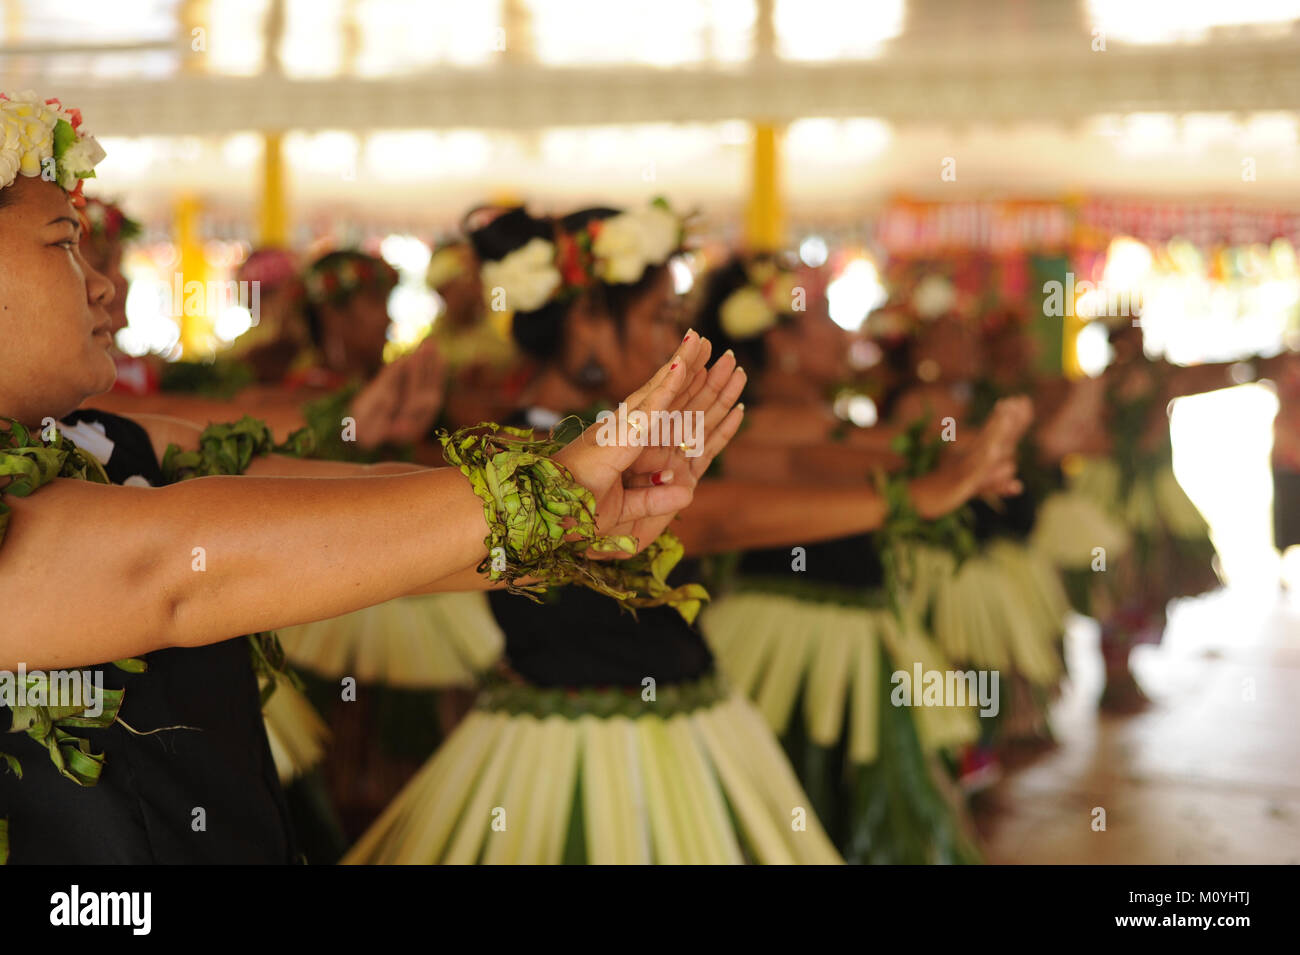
(37, 138)
(10, 158)
(745, 313)
(661, 230)
(527, 276)
(620, 248)
(79, 160)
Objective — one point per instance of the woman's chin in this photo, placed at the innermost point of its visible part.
(103, 374)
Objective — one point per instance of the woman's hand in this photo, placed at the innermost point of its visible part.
(639, 489)
(401, 403)
(986, 468)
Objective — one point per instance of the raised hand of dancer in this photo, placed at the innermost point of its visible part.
(984, 468)
(639, 488)
(402, 402)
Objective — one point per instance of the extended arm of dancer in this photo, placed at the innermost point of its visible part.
(729, 514)
(111, 572)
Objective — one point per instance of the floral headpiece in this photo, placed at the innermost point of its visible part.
(106, 222)
(41, 138)
(449, 262)
(759, 304)
(338, 276)
(272, 268)
(613, 251)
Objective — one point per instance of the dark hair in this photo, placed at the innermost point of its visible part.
(751, 353)
(540, 333)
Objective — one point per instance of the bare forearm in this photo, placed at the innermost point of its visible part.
(737, 515)
(274, 552)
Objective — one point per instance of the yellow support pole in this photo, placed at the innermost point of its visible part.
(765, 215)
(273, 215)
(196, 323)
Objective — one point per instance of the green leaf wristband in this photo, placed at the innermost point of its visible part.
(534, 506)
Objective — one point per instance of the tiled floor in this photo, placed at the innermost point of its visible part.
(1209, 773)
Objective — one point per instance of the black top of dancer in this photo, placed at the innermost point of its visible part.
(145, 807)
(579, 638)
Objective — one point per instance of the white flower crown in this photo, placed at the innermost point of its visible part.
(41, 138)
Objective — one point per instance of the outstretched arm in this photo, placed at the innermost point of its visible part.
(113, 572)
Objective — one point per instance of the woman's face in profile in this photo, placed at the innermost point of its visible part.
(54, 318)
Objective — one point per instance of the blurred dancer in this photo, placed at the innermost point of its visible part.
(607, 715)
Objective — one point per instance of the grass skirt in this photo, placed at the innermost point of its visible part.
(546, 776)
(818, 663)
(430, 641)
(1168, 551)
(296, 732)
(1002, 609)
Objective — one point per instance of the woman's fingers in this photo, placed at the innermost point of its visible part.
(699, 375)
(717, 440)
(647, 503)
(598, 463)
(685, 354)
(728, 393)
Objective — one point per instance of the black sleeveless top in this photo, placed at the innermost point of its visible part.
(144, 808)
(850, 561)
(579, 638)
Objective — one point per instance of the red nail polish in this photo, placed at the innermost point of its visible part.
(661, 477)
(672, 366)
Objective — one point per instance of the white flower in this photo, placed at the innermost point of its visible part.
(79, 159)
(620, 249)
(746, 314)
(527, 276)
(82, 156)
(27, 142)
(934, 295)
(9, 164)
(661, 231)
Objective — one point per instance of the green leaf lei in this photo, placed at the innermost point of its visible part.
(903, 526)
(534, 504)
(28, 464)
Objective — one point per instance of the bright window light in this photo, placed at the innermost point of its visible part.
(835, 29)
(1189, 21)
(855, 293)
